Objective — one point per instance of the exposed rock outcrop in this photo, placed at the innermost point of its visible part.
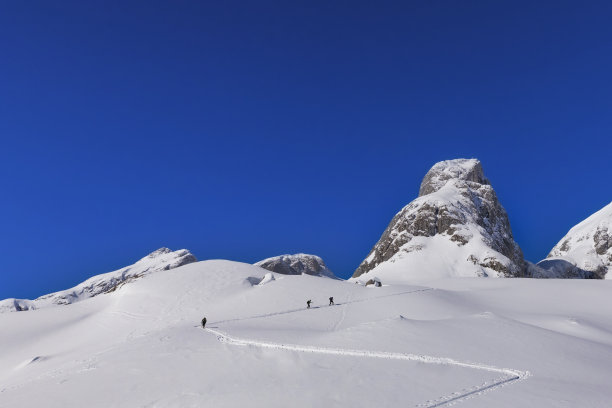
(456, 227)
(296, 265)
(161, 259)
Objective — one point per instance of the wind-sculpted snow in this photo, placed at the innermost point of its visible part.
(585, 251)
(508, 375)
(456, 227)
(159, 260)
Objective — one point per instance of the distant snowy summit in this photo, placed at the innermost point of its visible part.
(456, 227)
(159, 260)
(296, 264)
(584, 252)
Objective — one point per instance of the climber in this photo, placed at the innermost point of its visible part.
(331, 301)
(308, 302)
(204, 323)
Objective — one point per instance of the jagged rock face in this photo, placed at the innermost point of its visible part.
(296, 265)
(460, 169)
(161, 259)
(585, 251)
(456, 201)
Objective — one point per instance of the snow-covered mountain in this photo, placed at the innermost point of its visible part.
(159, 260)
(585, 251)
(456, 227)
(296, 264)
(457, 342)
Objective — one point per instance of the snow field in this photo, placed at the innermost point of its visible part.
(506, 375)
(141, 346)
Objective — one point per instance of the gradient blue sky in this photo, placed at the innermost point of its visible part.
(243, 130)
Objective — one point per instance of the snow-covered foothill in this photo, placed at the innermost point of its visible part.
(296, 264)
(161, 259)
(455, 228)
(585, 251)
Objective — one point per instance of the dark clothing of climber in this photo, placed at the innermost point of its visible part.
(204, 322)
(308, 303)
(331, 300)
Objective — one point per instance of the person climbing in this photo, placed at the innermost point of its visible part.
(308, 302)
(204, 323)
(331, 301)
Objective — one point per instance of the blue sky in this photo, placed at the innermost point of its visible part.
(243, 130)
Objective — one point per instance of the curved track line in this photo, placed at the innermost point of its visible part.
(508, 375)
(468, 393)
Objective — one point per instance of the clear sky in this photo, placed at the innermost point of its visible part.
(243, 130)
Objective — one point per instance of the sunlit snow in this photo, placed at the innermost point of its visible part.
(469, 341)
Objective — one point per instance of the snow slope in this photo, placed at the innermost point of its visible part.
(438, 343)
(585, 251)
(159, 260)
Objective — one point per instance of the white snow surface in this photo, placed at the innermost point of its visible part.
(473, 342)
(161, 259)
(579, 245)
(435, 257)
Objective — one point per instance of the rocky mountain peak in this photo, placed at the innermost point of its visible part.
(158, 252)
(456, 227)
(296, 264)
(457, 170)
(169, 258)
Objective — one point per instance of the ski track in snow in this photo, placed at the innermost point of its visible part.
(508, 375)
(318, 307)
(344, 306)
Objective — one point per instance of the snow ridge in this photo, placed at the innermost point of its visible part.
(161, 259)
